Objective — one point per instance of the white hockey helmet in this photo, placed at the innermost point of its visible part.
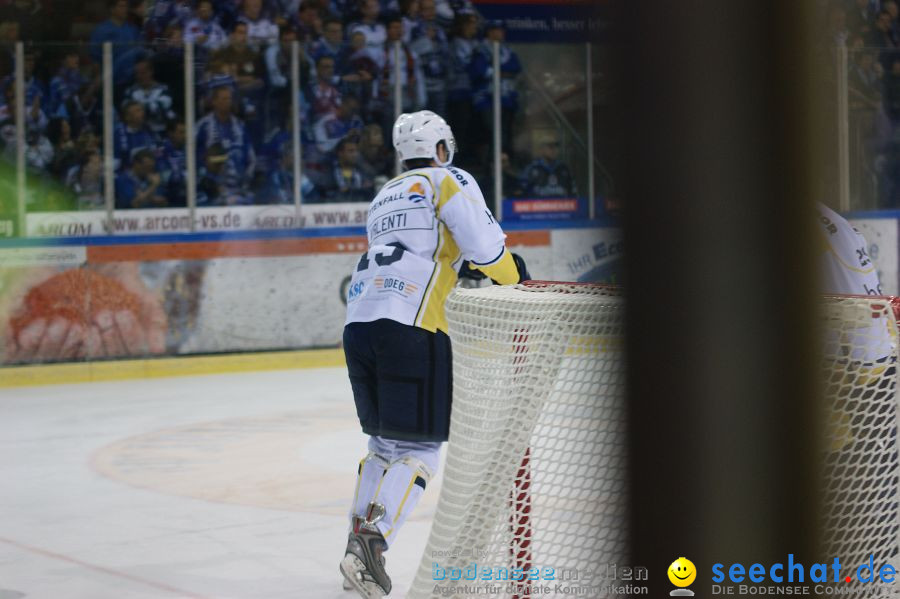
(417, 134)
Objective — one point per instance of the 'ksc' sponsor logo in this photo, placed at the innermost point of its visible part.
(355, 290)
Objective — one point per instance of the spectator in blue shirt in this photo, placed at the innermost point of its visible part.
(369, 25)
(163, 13)
(154, 96)
(221, 127)
(331, 43)
(217, 75)
(279, 188)
(173, 163)
(353, 80)
(332, 128)
(125, 38)
(216, 184)
(83, 110)
(132, 134)
(547, 176)
(139, 186)
(35, 123)
(66, 83)
(261, 31)
(34, 88)
(308, 19)
(204, 29)
(345, 181)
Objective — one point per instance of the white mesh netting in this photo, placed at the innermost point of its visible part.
(861, 465)
(535, 473)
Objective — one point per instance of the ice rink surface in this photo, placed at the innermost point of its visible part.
(223, 486)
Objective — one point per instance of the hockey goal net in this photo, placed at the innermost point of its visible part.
(535, 471)
(535, 476)
(860, 474)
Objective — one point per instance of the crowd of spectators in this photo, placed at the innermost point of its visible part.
(242, 60)
(870, 31)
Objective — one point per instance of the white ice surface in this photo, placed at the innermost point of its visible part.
(225, 486)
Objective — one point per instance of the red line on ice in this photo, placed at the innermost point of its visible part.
(103, 569)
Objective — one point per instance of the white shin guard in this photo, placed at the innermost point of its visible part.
(400, 491)
(394, 475)
(369, 476)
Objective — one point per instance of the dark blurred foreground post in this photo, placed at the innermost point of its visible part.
(725, 139)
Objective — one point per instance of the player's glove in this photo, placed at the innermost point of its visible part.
(467, 272)
(520, 266)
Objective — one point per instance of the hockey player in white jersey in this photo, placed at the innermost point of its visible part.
(421, 227)
(846, 268)
(846, 265)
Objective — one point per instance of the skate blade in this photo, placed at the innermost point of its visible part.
(351, 566)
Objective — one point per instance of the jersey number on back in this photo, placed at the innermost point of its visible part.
(380, 259)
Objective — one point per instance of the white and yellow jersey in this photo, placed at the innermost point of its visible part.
(848, 269)
(846, 266)
(421, 226)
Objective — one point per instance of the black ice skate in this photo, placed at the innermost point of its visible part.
(345, 582)
(363, 563)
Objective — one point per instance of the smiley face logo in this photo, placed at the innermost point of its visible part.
(682, 572)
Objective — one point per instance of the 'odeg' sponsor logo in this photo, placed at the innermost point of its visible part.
(395, 285)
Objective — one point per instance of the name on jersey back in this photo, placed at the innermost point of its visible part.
(388, 222)
(401, 219)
